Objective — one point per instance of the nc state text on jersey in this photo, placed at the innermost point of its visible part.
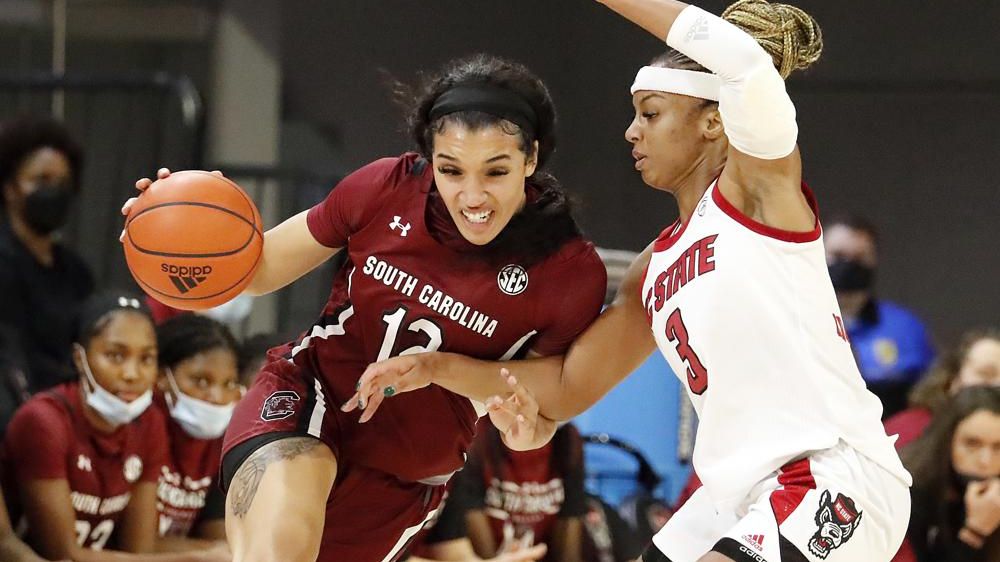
(697, 260)
(433, 298)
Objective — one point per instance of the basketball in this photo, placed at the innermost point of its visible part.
(193, 240)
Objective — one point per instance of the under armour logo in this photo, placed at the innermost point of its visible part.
(83, 463)
(404, 228)
(698, 31)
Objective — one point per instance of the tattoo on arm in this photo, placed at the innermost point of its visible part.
(251, 472)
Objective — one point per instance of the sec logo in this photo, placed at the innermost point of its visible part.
(512, 279)
(133, 468)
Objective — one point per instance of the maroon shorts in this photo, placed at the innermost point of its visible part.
(371, 515)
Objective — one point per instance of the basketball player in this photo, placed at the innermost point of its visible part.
(795, 463)
(82, 459)
(197, 391)
(468, 246)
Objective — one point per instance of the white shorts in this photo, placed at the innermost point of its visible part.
(835, 505)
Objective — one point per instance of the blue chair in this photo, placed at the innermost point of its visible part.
(646, 412)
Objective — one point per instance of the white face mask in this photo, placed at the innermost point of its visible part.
(113, 409)
(200, 419)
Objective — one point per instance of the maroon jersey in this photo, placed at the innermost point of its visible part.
(406, 290)
(187, 479)
(527, 491)
(49, 439)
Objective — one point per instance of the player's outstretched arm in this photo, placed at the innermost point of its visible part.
(290, 250)
(763, 172)
(604, 354)
(655, 16)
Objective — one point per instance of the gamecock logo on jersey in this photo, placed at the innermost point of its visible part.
(513, 280)
(837, 521)
(279, 405)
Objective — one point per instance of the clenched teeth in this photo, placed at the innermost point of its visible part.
(477, 217)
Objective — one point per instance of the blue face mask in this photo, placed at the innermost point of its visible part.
(113, 409)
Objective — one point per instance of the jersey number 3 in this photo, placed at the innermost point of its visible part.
(697, 374)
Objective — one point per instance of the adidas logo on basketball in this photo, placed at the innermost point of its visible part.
(184, 277)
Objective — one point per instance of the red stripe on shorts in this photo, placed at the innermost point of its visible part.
(796, 480)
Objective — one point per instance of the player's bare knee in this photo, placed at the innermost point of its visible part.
(276, 503)
(284, 471)
(290, 539)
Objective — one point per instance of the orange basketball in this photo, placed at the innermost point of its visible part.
(193, 240)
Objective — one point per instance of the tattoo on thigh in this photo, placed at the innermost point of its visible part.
(251, 472)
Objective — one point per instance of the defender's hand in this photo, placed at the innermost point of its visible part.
(516, 416)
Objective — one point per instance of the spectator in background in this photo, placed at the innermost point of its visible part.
(519, 498)
(890, 343)
(974, 361)
(42, 282)
(956, 481)
(198, 389)
(445, 538)
(82, 460)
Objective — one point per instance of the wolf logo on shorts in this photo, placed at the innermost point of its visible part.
(279, 405)
(837, 521)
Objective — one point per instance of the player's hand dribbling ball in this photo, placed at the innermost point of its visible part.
(193, 239)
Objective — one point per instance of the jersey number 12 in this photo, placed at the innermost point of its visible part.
(394, 322)
(697, 374)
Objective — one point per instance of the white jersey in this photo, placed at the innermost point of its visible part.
(747, 317)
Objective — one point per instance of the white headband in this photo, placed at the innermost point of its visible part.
(702, 85)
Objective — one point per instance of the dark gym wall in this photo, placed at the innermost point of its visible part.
(898, 121)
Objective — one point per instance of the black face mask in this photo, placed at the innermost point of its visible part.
(46, 209)
(850, 275)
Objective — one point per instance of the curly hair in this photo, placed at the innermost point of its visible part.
(20, 137)
(486, 70)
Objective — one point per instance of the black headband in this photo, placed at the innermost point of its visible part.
(489, 99)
